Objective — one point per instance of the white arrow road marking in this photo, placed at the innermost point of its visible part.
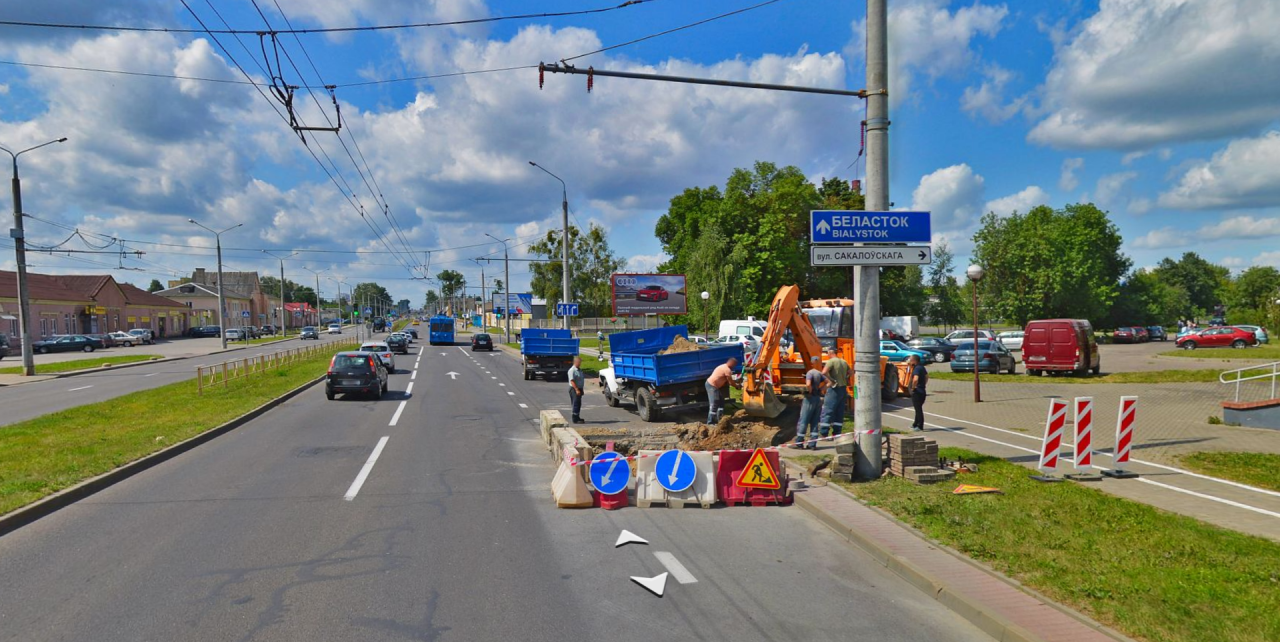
(444, 353)
(671, 479)
(656, 585)
(627, 537)
(365, 470)
(677, 569)
(452, 375)
(396, 417)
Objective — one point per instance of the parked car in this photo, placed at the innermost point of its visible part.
(4, 346)
(749, 342)
(961, 336)
(698, 339)
(355, 372)
(309, 332)
(106, 340)
(1157, 333)
(898, 351)
(205, 331)
(992, 357)
(1060, 345)
(889, 335)
(481, 341)
(335, 328)
(398, 342)
(123, 338)
(268, 329)
(234, 334)
(67, 343)
(939, 349)
(383, 350)
(1143, 335)
(1259, 332)
(250, 332)
(1125, 335)
(145, 335)
(653, 293)
(1011, 339)
(1218, 337)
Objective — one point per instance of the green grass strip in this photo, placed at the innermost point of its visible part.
(1256, 469)
(1265, 352)
(82, 364)
(1151, 574)
(41, 456)
(1156, 376)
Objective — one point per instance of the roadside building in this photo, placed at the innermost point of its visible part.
(55, 308)
(202, 304)
(299, 315)
(87, 304)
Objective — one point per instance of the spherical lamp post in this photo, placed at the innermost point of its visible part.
(975, 274)
(705, 295)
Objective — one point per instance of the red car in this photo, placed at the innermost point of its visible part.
(1125, 335)
(652, 293)
(1216, 338)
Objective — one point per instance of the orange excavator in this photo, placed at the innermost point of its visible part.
(815, 326)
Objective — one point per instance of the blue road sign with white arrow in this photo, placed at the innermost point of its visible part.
(848, 226)
(244, 313)
(566, 309)
(610, 472)
(675, 470)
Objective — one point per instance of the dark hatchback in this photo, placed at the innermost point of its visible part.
(481, 342)
(205, 331)
(940, 350)
(70, 343)
(399, 343)
(355, 372)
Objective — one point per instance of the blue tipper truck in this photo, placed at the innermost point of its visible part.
(547, 352)
(656, 382)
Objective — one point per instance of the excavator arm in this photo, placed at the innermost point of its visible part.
(758, 395)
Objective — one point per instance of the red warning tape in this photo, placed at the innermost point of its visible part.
(573, 461)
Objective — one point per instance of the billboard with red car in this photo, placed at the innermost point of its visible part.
(648, 294)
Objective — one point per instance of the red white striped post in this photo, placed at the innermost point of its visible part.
(1053, 426)
(1124, 437)
(1084, 434)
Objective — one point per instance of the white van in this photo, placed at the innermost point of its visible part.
(740, 328)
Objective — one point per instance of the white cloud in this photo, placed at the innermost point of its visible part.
(1111, 186)
(1021, 202)
(987, 100)
(953, 194)
(645, 263)
(1267, 258)
(1141, 73)
(1244, 174)
(1128, 159)
(1236, 228)
(1068, 181)
(1162, 239)
(1140, 206)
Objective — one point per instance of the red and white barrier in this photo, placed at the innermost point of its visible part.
(1084, 434)
(1053, 427)
(1124, 437)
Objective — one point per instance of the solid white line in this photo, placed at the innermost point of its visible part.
(1107, 454)
(413, 375)
(365, 470)
(677, 569)
(524, 405)
(396, 417)
(80, 388)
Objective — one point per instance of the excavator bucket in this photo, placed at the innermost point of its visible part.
(764, 403)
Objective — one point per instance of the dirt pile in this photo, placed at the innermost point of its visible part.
(682, 344)
(737, 431)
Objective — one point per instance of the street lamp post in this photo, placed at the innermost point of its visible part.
(283, 318)
(705, 295)
(20, 257)
(317, 275)
(564, 246)
(506, 284)
(483, 294)
(222, 307)
(975, 274)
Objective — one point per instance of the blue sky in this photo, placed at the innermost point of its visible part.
(1162, 112)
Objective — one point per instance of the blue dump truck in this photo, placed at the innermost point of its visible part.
(657, 382)
(547, 352)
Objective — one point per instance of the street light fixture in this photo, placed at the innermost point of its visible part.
(317, 275)
(564, 246)
(506, 283)
(975, 274)
(283, 318)
(222, 307)
(705, 295)
(20, 257)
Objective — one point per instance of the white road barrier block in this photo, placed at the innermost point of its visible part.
(569, 487)
(562, 438)
(649, 490)
(548, 419)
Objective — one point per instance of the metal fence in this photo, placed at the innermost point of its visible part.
(1259, 382)
(227, 371)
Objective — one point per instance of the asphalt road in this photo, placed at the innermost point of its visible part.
(268, 533)
(37, 398)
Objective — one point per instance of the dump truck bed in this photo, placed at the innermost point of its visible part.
(635, 356)
(548, 343)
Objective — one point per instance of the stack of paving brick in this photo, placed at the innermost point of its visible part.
(846, 448)
(916, 458)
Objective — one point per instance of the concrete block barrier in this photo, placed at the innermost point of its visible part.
(547, 420)
(649, 489)
(569, 487)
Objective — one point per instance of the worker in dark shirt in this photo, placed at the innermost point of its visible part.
(810, 408)
(917, 384)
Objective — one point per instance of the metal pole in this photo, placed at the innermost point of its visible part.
(283, 318)
(977, 390)
(564, 246)
(866, 409)
(222, 306)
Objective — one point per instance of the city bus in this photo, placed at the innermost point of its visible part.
(441, 330)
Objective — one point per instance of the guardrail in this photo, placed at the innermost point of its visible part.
(1239, 378)
(227, 371)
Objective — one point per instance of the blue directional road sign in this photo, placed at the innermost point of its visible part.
(610, 472)
(244, 313)
(566, 309)
(675, 470)
(846, 226)
(368, 310)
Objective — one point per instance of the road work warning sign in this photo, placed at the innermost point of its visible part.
(759, 473)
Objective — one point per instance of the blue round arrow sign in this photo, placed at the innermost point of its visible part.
(675, 470)
(610, 472)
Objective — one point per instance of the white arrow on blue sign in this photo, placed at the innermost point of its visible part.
(610, 472)
(676, 470)
(566, 309)
(847, 226)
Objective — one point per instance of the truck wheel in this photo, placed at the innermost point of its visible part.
(647, 406)
(889, 387)
(608, 396)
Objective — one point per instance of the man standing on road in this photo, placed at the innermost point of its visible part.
(576, 381)
(718, 389)
(836, 372)
(807, 427)
(917, 384)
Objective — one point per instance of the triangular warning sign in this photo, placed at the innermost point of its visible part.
(969, 489)
(759, 473)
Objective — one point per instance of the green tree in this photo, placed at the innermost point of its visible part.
(591, 262)
(431, 302)
(155, 286)
(452, 283)
(1255, 288)
(371, 295)
(902, 291)
(497, 286)
(1206, 284)
(1145, 299)
(945, 307)
(1051, 263)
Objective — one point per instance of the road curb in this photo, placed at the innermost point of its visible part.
(976, 612)
(25, 515)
